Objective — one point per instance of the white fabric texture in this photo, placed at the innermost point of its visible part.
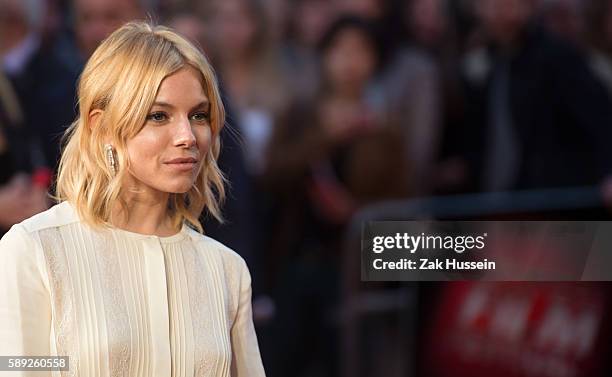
(124, 304)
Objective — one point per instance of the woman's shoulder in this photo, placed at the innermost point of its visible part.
(56, 216)
(20, 246)
(213, 247)
(24, 232)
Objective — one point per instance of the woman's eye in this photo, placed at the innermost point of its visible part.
(157, 117)
(200, 117)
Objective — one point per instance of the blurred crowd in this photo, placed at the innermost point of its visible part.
(333, 105)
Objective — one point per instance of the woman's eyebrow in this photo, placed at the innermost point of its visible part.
(162, 104)
(204, 104)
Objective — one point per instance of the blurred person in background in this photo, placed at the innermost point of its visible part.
(20, 43)
(42, 80)
(564, 18)
(51, 61)
(409, 74)
(433, 46)
(94, 20)
(250, 70)
(536, 115)
(21, 194)
(427, 23)
(19, 33)
(277, 17)
(255, 88)
(309, 19)
(187, 22)
(327, 158)
(420, 82)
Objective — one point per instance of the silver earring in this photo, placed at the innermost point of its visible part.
(110, 158)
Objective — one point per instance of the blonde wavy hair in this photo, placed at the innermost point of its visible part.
(122, 78)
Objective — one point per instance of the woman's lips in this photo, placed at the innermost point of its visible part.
(180, 160)
(182, 163)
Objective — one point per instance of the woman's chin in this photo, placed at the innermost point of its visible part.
(180, 188)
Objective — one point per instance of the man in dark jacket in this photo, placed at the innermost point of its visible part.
(537, 116)
(20, 198)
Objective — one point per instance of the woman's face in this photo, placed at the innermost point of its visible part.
(234, 26)
(503, 20)
(168, 152)
(350, 60)
(426, 19)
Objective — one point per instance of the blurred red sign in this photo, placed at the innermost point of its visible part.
(518, 329)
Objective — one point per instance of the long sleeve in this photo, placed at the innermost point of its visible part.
(25, 310)
(246, 360)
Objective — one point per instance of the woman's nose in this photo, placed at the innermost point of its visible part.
(184, 136)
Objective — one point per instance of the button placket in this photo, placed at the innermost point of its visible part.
(158, 306)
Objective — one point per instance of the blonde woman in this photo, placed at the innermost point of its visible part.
(115, 276)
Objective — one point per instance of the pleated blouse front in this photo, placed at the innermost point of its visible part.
(125, 304)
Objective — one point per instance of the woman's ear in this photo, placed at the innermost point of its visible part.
(94, 118)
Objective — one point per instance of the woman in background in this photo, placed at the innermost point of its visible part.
(328, 158)
(248, 67)
(115, 276)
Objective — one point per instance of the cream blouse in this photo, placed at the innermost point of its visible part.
(124, 304)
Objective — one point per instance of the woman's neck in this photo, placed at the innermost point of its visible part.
(145, 215)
